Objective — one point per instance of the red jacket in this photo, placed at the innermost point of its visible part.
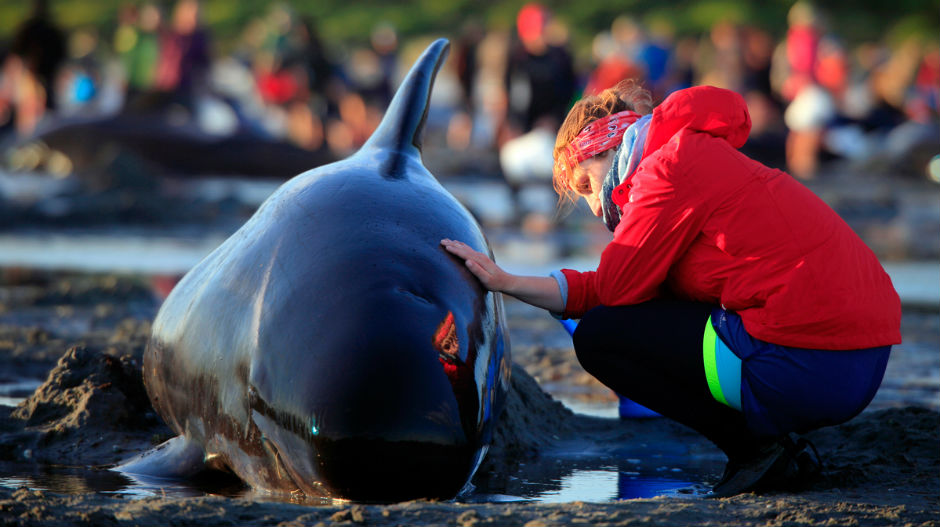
(704, 222)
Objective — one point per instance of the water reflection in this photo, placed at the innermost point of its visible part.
(631, 486)
(63, 480)
(547, 480)
(13, 392)
(598, 479)
(610, 484)
(87, 480)
(584, 485)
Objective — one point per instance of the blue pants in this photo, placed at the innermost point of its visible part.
(653, 354)
(784, 389)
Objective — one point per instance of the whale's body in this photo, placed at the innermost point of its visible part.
(331, 346)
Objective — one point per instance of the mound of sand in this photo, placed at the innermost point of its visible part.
(91, 410)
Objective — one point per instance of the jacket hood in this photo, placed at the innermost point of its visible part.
(715, 111)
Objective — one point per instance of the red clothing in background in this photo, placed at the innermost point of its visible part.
(703, 222)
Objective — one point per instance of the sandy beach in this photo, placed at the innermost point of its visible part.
(140, 153)
(89, 332)
(72, 403)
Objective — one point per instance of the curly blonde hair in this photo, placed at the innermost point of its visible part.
(626, 95)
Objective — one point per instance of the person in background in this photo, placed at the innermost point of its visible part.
(811, 107)
(613, 64)
(540, 77)
(465, 61)
(137, 41)
(29, 72)
(384, 41)
(731, 298)
(183, 65)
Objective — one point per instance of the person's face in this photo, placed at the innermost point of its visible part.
(588, 179)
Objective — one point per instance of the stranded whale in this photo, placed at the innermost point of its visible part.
(331, 346)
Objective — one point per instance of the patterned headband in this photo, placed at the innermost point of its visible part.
(602, 134)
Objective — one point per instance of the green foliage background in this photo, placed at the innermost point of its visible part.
(350, 22)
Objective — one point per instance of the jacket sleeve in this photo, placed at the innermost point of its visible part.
(660, 221)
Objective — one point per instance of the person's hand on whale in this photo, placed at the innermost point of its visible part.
(490, 275)
(540, 291)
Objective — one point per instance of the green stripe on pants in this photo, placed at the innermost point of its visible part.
(710, 362)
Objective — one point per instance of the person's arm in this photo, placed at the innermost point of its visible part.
(539, 291)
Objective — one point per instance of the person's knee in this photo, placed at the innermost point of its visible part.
(588, 358)
(587, 355)
(591, 338)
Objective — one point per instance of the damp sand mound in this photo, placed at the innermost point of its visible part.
(881, 468)
(91, 410)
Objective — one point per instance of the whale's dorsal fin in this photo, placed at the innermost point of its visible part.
(401, 128)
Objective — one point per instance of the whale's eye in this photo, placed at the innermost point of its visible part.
(314, 428)
(445, 338)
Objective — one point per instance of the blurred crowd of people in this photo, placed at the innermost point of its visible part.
(810, 95)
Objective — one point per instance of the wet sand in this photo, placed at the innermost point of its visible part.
(89, 331)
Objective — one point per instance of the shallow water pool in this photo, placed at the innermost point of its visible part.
(571, 472)
(549, 479)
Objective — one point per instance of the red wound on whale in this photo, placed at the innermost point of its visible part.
(445, 338)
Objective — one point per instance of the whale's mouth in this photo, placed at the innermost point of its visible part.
(380, 471)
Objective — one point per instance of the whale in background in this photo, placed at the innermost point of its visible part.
(331, 346)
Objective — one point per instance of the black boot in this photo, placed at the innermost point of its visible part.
(745, 475)
(781, 464)
(808, 466)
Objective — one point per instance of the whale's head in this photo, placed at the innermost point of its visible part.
(399, 405)
(379, 363)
